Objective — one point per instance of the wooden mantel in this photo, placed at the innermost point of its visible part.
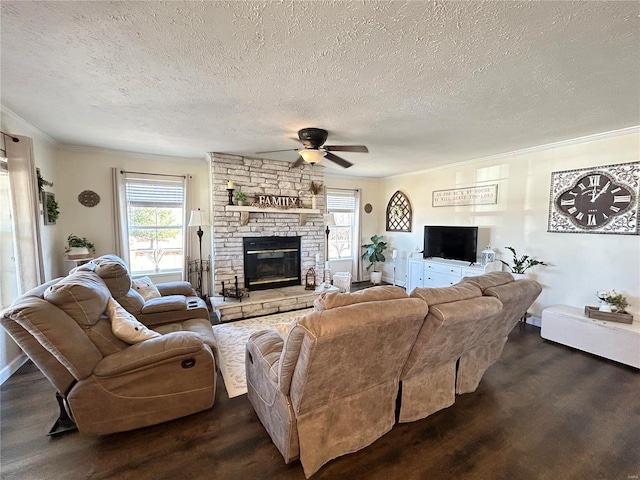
(246, 210)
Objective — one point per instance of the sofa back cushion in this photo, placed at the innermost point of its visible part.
(334, 299)
(448, 331)
(516, 298)
(60, 335)
(332, 354)
(82, 295)
(115, 274)
(436, 296)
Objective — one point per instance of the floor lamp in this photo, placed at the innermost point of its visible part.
(199, 219)
(330, 221)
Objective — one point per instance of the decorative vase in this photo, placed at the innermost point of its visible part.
(605, 307)
(518, 276)
(76, 253)
(313, 202)
(376, 278)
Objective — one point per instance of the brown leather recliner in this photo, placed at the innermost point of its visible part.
(109, 385)
(179, 300)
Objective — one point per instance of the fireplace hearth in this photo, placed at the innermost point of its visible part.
(271, 262)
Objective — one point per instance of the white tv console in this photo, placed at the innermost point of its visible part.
(438, 272)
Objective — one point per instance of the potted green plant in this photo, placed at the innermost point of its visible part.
(521, 264)
(374, 253)
(240, 198)
(78, 247)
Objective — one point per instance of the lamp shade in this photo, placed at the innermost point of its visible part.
(312, 155)
(329, 219)
(198, 218)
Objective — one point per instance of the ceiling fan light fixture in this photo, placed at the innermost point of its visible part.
(312, 155)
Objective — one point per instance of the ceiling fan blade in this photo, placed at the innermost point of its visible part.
(285, 150)
(336, 159)
(298, 162)
(346, 148)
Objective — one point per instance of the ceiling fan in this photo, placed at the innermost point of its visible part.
(315, 150)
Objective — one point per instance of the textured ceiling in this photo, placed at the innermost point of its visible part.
(420, 83)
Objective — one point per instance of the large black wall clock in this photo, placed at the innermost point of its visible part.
(596, 200)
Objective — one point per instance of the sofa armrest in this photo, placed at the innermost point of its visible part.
(164, 304)
(176, 288)
(262, 359)
(149, 352)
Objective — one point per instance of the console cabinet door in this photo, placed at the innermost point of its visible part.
(415, 269)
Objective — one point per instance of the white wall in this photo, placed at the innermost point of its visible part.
(80, 169)
(11, 357)
(579, 264)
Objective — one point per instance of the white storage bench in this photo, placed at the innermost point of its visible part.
(570, 326)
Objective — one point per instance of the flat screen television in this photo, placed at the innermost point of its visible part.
(453, 243)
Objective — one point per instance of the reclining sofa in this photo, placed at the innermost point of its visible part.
(340, 377)
(104, 383)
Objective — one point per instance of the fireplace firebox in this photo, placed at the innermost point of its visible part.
(271, 262)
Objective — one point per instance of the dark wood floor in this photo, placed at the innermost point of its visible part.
(542, 411)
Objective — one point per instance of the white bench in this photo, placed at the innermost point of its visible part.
(570, 326)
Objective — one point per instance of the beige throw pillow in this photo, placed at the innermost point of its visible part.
(284, 328)
(125, 326)
(145, 287)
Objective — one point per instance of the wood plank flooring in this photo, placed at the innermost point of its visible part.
(543, 411)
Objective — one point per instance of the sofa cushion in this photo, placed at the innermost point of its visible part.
(125, 326)
(487, 280)
(328, 300)
(83, 296)
(436, 296)
(145, 287)
(114, 273)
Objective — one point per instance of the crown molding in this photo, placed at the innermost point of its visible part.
(539, 148)
(124, 153)
(30, 129)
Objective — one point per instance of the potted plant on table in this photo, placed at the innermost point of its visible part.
(521, 264)
(374, 253)
(612, 301)
(78, 247)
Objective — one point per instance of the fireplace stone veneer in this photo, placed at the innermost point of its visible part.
(257, 176)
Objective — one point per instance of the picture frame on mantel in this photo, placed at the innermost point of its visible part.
(603, 199)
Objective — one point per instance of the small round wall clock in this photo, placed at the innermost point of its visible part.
(596, 200)
(89, 198)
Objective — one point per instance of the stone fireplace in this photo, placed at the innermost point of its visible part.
(255, 177)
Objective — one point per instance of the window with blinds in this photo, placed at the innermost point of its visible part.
(155, 211)
(342, 204)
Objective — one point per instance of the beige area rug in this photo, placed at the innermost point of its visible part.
(231, 341)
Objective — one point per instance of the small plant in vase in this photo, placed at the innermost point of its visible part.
(521, 264)
(240, 198)
(78, 247)
(374, 253)
(612, 301)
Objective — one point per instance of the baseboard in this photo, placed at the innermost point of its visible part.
(535, 321)
(12, 367)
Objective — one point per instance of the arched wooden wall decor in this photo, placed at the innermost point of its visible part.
(399, 213)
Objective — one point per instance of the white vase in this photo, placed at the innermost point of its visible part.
(605, 307)
(75, 253)
(376, 278)
(313, 202)
(518, 276)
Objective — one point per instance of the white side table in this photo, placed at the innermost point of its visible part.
(570, 326)
(70, 264)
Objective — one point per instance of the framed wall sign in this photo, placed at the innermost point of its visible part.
(596, 200)
(479, 195)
